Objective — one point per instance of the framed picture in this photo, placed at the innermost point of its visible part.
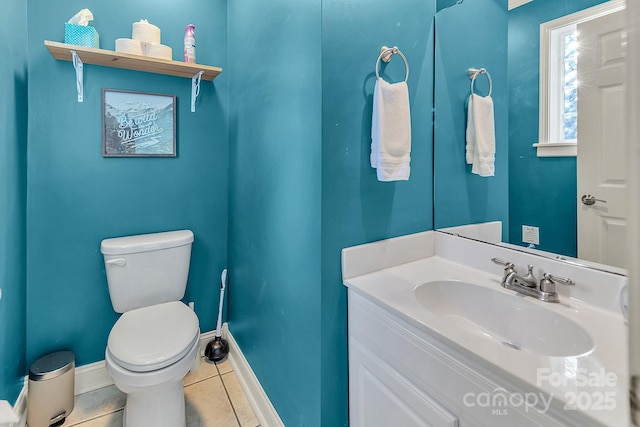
(138, 124)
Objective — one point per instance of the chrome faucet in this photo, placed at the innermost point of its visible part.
(527, 284)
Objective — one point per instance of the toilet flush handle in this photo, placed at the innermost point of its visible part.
(120, 262)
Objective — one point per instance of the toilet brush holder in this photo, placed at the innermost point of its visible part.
(218, 348)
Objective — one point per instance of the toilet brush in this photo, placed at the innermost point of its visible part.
(218, 348)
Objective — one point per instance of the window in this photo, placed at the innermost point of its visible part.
(566, 85)
(559, 41)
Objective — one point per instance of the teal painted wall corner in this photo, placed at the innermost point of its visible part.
(13, 179)
(306, 301)
(275, 200)
(356, 207)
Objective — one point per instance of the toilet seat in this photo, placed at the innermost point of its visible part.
(151, 338)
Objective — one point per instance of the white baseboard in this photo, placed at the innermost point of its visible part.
(20, 408)
(94, 376)
(262, 407)
(91, 377)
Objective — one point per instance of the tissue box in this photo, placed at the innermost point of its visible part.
(81, 35)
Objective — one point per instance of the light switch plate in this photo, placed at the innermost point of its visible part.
(530, 234)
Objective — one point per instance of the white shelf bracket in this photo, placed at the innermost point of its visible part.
(79, 66)
(195, 89)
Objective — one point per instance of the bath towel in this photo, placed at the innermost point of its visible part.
(481, 138)
(391, 131)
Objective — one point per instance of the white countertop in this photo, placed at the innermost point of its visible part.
(393, 288)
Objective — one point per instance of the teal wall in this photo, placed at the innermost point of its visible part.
(469, 35)
(542, 191)
(442, 4)
(13, 174)
(301, 187)
(275, 140)
(76, 197)
(356, 207)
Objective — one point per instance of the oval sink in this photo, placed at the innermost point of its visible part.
(511, 320)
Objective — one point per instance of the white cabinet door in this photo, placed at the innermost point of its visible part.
(381, 397)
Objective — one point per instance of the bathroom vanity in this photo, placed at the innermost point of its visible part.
(434, 339)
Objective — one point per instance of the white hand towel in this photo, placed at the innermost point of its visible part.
(481, 136)
(391, 131)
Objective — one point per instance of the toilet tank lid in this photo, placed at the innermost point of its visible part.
(146, 242)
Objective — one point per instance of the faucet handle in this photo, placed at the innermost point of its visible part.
(548, 283)
(506, 264)
(562, 280)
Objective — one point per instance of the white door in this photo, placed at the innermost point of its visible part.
(602, 151)
(633, 135)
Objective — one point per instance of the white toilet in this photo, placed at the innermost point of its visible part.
(154, 343)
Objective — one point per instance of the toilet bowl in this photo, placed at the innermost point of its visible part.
(153, 344)
(149, 352)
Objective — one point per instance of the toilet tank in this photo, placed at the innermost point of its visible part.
(147, 269)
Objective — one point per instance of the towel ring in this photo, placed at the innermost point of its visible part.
(386, 53)
(474, 72)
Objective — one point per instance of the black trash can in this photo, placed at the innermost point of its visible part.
(51, 389)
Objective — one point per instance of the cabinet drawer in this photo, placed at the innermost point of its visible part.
(380, 397)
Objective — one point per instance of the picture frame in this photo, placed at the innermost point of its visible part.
(138, 124)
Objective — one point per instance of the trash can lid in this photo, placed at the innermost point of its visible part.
(52, 365)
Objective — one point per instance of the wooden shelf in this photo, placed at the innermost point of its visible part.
(108, 58)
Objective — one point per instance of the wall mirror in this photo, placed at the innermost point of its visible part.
(557, 69)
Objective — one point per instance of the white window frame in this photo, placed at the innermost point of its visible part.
(548, 144)
(517, 3)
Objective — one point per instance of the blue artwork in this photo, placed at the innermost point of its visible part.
(136, 124)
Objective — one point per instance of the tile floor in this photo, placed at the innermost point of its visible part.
(213, 397)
